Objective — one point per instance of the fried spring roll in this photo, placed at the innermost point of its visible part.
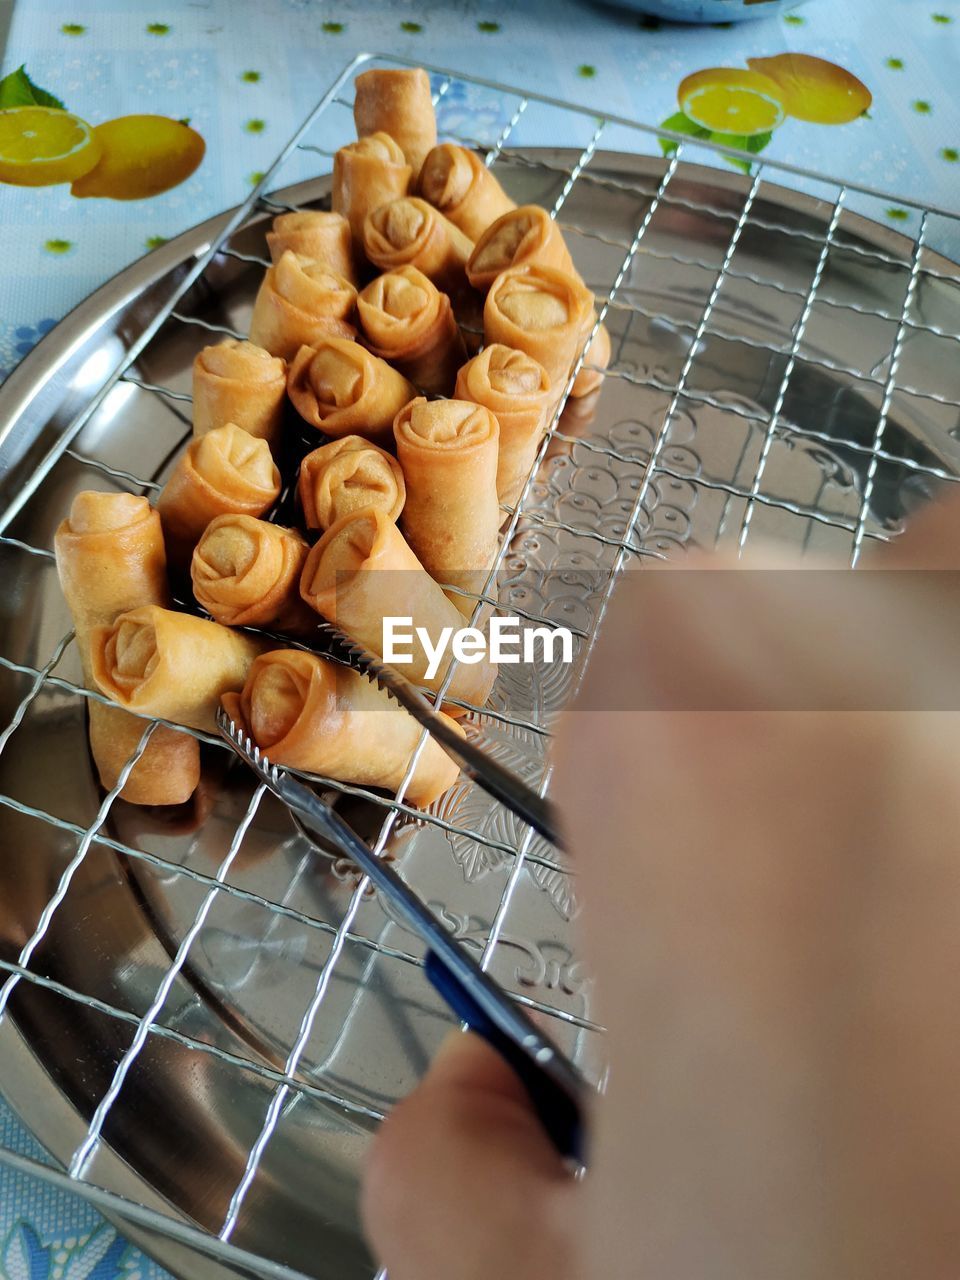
(318, 234)
(311, 714)
(448, 451)
(299, 302)
(341, 388)
(241, 383)
(543, 312)
(400, 103)
(246, 573)
(409, 322)
(225, 471)
(110, 558)
(347, 476)
(521, 237)
(528, 236)
(367, 174)
(516, 388)
(362, 571)
(171, 665)
(411, 232)
(458, 183)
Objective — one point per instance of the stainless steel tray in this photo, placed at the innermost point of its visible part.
(206, 1020)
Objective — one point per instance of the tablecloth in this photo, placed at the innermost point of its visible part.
(243, 75)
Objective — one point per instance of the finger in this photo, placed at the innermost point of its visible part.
(463, 1184)
(930, 541)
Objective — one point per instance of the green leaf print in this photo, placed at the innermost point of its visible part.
(158, 29)
(332, 28)
(739, 142)
(250, 77)
(894, 64)
(412, 27)
(73, 28)
(254, 126)
(488, 28)
(680, 123)
(950, 154)
(794, 20)
(18, 90)
(898, 215)
(943, 18)
(154, 242)
(58, 246)
(586, 71)
(922, 108)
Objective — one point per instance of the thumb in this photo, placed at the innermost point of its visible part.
(463, 1183)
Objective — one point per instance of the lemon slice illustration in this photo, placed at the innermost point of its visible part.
(40, 146)
(730, 100)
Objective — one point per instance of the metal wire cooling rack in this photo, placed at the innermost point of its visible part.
(853, 389)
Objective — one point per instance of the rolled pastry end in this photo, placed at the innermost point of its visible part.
(170, 665)
(348, 476)
(458, 183)
(319, 234)
(344, 551)
(527, 235)
(342, 389)
(246, 573)
(299, 301)
(238, 382)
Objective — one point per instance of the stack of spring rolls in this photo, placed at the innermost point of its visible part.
(363, 339)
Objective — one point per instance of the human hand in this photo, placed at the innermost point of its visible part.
(770, 902)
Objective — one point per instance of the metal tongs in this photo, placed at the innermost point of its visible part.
(499, 782)
(554, 1085)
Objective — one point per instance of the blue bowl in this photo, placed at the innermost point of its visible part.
(708, 11)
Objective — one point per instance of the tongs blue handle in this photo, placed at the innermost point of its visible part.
(555, 1087)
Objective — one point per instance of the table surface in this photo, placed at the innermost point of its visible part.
(245, 75)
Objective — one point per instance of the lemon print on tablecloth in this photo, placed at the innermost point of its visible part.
(814, 90)
(729, 100)
(41, 146)
(141, 156)
(742, 109)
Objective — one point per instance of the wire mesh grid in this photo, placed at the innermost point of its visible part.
(656, 458)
